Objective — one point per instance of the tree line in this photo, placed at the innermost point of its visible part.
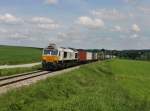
(124, 54)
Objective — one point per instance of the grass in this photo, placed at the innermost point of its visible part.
(13, 71)
(116, 85)
(19, 55)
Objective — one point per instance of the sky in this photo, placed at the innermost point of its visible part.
(109, 24)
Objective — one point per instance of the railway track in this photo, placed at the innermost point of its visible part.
(8, 80)
(25, 79)
(18, 75)
(4, 81)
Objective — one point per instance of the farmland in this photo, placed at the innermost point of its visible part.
(19, 55)
(13, 71)
(116, 85)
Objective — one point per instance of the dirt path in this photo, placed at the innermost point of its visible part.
(18, 66)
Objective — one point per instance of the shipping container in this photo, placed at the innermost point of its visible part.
(94, 56)
(82, 55)
(88, 55)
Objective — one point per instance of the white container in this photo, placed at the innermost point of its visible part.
(88, 55)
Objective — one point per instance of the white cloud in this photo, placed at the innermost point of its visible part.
(9, 18)
(2, 30)
(31, 29)
(132, 0)
(45, 23)
(134, 36)
(89, 22)
(135, 28)
(62, 34)
(51, 2)
(48, 26)
(72, 36)
(42, 20)
(144, 9)
(117, 29)
(113, 14)
(18, 36)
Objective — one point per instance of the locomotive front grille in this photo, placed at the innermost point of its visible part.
(50, 58)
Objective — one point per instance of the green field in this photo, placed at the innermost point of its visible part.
(19, 55)
(13, 71)
(116, 85)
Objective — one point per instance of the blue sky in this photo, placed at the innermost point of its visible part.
(111, 24)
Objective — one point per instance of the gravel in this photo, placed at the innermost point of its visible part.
(30, 81)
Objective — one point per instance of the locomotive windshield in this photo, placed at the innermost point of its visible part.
(50, 52)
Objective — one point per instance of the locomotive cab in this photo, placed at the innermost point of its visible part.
(50, 57)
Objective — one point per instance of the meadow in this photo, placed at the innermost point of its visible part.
(13, 71)
(19, 55)
(114, 85)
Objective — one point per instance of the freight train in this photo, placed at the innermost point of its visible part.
(54, 57)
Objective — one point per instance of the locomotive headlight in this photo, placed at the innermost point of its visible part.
(44, 58)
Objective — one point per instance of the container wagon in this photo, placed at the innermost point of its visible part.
(89, 56)
(94, 56)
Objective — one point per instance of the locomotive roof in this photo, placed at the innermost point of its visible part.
(54, 47)
(66, 49)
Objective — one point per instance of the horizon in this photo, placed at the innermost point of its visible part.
(86, 24)
(80, 48)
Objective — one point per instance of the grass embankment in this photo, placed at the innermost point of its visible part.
(13, 71)
(118, 85)
(19, 55)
